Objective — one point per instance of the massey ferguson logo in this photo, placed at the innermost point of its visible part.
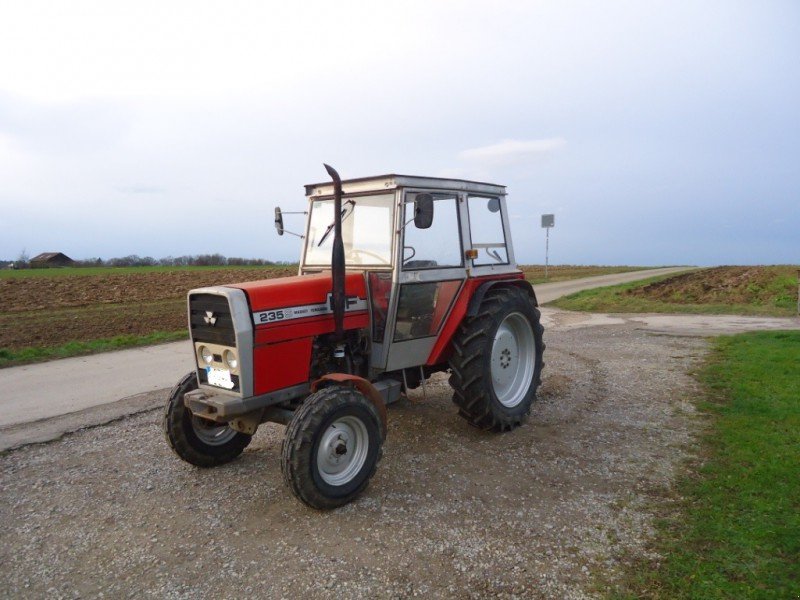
(210, 319)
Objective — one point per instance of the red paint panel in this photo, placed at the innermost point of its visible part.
(310, 327)
(444, 296)
(280, 365)
(299, 290)
(441, 349)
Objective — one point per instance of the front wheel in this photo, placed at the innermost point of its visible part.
(332, 447)
(200, 442)
(497, 362)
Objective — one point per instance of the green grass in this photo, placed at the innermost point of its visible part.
(20, 356)
(615, 299)
(60, 272)
(737, 531)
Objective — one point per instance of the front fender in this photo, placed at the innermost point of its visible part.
(364, 386)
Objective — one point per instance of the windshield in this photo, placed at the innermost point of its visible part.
(366, 231)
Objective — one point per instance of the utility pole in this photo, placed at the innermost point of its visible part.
(549, 221)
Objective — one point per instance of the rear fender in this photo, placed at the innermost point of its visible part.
(477, 297)
(469, 299)
(362, 385)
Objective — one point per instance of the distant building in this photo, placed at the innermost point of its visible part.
(51, 259)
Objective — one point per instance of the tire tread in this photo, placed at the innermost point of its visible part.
(467, 372)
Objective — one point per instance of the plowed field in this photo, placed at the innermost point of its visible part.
(49, 311)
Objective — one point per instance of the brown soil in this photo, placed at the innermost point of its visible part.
(51, 311)
(40, 293)
(57, 327)
(757, 285)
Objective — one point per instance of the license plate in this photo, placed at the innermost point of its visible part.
(219, 377)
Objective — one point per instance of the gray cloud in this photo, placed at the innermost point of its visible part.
(108, 146)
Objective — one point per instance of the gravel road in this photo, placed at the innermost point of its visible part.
(452, 512)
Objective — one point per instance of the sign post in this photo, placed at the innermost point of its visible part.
(548, 221)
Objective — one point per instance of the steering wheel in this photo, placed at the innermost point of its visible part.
(413, 253)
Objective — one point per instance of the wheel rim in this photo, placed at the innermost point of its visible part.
(512, 359)
(342, 451)
(210, 433)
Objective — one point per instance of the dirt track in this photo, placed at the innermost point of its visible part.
(452, 512)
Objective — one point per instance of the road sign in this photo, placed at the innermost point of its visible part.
(548, 221)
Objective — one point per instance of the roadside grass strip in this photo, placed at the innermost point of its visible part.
(31, 354)
(737, 531)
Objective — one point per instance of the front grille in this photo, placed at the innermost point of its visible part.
(222, 331)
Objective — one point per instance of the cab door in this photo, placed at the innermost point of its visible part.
(431, 272)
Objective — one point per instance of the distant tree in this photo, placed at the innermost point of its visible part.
(201, 260)
(124, 261)
(23, 260)
(210, 260)
(89, 262)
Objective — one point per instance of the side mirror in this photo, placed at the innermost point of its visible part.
(423, 211)
(278, 220)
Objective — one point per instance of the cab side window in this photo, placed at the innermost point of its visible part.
(486, 231)
(438, 246)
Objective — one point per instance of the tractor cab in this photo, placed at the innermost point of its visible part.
(418, 240)
(400, 277)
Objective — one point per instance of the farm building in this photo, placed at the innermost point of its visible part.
(51, 259)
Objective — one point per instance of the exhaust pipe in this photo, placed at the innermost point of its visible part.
(337, 256)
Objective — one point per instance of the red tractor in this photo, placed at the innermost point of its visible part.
(400, 277)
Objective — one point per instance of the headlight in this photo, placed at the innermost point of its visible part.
(206, 355)
(230, 359)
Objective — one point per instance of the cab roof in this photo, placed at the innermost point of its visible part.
(380, 183)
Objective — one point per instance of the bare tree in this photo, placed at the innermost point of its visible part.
(23, 260)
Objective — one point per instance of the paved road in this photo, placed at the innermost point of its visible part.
(43, 390)
(547, 292)
(61, 395)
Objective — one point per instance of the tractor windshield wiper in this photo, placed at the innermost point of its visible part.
(345, 214)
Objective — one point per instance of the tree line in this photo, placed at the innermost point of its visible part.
(134, 260)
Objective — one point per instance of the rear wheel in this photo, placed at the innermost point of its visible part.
(497, 361)
(200, 442)
(332, 447)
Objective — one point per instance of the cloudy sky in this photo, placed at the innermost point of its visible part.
(657, 132)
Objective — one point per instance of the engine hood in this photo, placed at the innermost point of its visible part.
(307, 294)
